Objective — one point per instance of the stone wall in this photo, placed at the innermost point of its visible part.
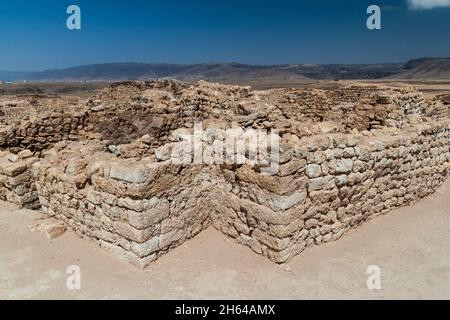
(124, 112)
(42, 132)
(328, 185)
(346, 156)
(37, 122)
(139, 209)
(16, 180)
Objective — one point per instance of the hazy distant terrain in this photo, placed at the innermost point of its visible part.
(425, 68)
(419, 69)
(229, 72)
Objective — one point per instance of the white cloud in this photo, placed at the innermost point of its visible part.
(428, 4)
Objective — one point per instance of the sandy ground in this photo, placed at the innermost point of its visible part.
(411, 246)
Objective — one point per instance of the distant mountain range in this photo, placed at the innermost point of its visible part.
(425, 68)
(418, 69)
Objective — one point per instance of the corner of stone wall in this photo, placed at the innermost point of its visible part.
(16, 179)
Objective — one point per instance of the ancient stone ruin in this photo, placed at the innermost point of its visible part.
(105, 167)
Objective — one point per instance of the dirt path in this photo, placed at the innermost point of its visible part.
(410, 245)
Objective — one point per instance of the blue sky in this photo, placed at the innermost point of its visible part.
(33, 34)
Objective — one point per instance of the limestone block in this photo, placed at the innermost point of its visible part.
(344, 166)
(313, 170)
(128, 174)
(327, 182)
(146, 248)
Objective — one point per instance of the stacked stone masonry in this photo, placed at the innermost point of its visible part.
(16, 181)
(103, 166)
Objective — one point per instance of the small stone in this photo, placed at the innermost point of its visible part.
(287, 268)
(348, 152)
(114, 150)
(310, 223)
(291, 167)
(53, 231)
(25, 154)
(341, 180)
(147, 139)
(344, 166)
(313, 170)
(321, 183)
(164, 152)
(12, 157)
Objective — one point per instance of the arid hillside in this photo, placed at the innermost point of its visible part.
(419, 69)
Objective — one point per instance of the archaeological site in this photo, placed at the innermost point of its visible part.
(129, 168)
